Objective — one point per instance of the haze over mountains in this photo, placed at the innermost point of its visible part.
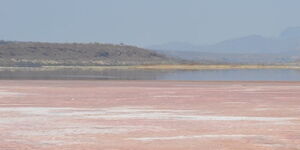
(249, 49)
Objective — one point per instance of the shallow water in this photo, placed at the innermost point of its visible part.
(236, 75)
(200, 75)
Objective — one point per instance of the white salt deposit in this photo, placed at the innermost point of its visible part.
(173, 96)
(149, 139)
(170, 116)
(82, 129)
(120, 113)
(29, 122)
(9, 94)
(235, 102)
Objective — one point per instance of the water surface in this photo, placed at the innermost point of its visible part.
(200, 75)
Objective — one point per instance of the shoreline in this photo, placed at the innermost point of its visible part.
(151, 67)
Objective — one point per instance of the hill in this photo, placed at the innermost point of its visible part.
(39, 54)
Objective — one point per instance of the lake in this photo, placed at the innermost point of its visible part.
(199, 75)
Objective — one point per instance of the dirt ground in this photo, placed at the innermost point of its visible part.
(149, 115)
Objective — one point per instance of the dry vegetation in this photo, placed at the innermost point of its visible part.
(147, 67)
(208, 67)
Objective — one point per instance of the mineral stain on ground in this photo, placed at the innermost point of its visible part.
(144, 115)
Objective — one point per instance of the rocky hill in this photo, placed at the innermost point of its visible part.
(39, 54)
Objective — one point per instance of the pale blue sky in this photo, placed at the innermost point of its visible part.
(144, 22)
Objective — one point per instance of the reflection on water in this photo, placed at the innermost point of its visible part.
(237, 75)
(69, 74)
(202, 75)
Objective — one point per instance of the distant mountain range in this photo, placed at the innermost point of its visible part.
(288, 41)
(30, 54)
(249, 49)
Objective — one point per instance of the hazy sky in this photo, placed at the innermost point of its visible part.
(144, 22)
